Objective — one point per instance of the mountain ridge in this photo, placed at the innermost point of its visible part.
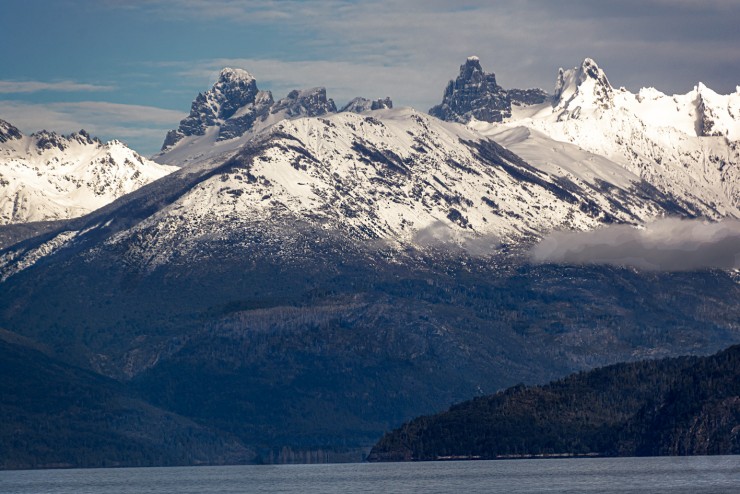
(318, 280)
(45, 176)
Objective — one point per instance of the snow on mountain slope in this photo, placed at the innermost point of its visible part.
(557, 157)
(403, 177)
(395, 176)
(45, 176)
(686, 145)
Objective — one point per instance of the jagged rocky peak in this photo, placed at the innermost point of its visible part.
(46, 140)
(359, 105)
(232, 104)
(83, 137)
(8, 132)
(583, 87)
(307, 102)
(476, 94)
(234, 89)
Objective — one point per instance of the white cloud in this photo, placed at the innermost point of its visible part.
(667, 245)
(439, 235)
(524, 42)
(18, 87)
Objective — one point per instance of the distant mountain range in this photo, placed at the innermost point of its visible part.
(683, 406)
(45, 176)
(309, 278)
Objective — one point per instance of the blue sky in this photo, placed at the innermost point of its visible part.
(129, 69)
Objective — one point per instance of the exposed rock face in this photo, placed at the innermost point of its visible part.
(381, 104)
(525, 97)
(475, 94)
(359, 105)
(8, 132)
(308, 102)
(232, 104)
(45, 140)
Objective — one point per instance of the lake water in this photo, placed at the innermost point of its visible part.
(715, 474)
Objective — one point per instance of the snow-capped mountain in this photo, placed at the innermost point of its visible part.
(305, 273)
(46, 176)
(234, 106)
(397, 176)
(685, 145)
(586, 156)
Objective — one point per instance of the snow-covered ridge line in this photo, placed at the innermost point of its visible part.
(407, 180)
(688, 146)
(46, 176)
(393, 176)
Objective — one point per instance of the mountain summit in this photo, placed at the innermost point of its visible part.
(475, 94)
(685, 145)
(234, 91)
(583, 87)
(235, 106)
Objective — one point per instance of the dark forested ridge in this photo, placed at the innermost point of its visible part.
(675, 406)
(313, 359)
(55, 415)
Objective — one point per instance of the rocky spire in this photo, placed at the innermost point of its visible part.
(235, 90)
(475, 94)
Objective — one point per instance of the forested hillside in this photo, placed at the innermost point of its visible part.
(677, 406)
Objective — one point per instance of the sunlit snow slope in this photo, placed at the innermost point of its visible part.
(688, 146)
(45, 176)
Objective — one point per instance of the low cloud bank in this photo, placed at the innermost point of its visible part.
(665, 245)
(440, 235)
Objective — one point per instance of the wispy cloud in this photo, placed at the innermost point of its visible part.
(142, 127)
(524, 42)
(20, 87)
(254, 11)
(667, 245)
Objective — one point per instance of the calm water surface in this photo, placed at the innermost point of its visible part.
(716, 474)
